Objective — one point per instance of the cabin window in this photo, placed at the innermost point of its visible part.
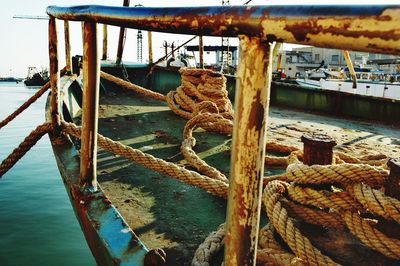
(335, 59)
(364, 76)
(317, 58)
(358, 75)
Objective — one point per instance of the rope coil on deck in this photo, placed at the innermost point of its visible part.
(287, 197)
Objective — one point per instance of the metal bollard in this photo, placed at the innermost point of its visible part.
(392, 183)
(318, 149)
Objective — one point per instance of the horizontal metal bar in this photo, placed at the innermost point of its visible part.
(363, 28)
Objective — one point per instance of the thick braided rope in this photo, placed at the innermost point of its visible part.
(271, 160)
(31, 100)
(323, 199)
(374, 159)
(199, 85)
(371, 237)
(210, 122)
(376, 201)
(197, 162)
(174, 108)
(133, 87)
(213, 186)
(270, 252)
(24, 147)
(299, 244)
(210, 247)
(25, 105)
(341, 173)
(275, 146)
(313, 215)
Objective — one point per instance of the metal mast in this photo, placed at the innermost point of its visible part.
(139, 46)
(225, 58)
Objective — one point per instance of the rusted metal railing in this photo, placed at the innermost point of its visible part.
(68, 58)
(90, 105)
(105, 42)
(54, 76)
(150, 46)
(121, 39)
(201, 51)
(362, 28)
(248, 150)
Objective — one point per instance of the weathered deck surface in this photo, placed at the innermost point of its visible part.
(176, 217)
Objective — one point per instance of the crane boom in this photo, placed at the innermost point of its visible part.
(31, 17)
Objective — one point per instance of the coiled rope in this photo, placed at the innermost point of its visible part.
(288, 197)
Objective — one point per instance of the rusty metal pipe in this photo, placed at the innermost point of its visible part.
(90, 104)
(68, 58)
(363, 28)
(121, 38)
(54, 76)
(105, 40)
(201, 50)
(150, 45)
(248, 150)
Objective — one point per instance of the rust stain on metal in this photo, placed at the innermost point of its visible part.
(318, 149)
(248, 148)
(90, 103)
(392, 183)
(257, 114)
(116, 261)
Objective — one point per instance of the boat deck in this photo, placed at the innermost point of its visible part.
(169, 214)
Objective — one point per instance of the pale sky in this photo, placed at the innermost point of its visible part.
(24, 42)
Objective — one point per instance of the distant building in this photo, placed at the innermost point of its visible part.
(299, 60)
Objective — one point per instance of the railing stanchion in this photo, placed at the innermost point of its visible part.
(90, 104)
(150, 45)
(248, 150)
(54, 76)
(68, 59)
(201, 51)
(104, 57)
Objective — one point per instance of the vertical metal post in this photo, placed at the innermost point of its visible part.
(104, 57)
(201, 51)
(54, 76)
(90, 104)
(121, 39)
(150, 44)
(248, 150)
(68, 63)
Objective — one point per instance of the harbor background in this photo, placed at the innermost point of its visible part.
(37, 223)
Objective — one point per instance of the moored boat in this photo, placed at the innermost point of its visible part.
(138, 216)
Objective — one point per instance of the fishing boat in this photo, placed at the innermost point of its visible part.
(36, 77)
(369, 83)
(164, 169)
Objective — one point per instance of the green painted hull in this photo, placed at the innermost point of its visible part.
(282, 94)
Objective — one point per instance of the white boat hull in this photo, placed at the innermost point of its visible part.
(309, 83)
(373, 89)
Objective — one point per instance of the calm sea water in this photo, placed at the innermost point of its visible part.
(37, 223)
